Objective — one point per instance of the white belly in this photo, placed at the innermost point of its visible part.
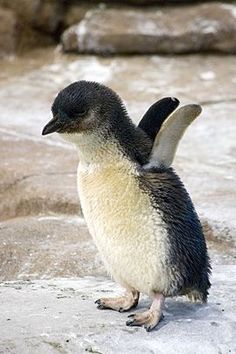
(127, 230)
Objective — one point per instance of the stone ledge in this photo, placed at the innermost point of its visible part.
(197, 28)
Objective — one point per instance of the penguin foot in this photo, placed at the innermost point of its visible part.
(123, 303)
(149, 319)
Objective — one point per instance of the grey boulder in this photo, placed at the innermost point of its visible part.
(182, 29)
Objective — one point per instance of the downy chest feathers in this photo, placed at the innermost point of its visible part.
(127, 230)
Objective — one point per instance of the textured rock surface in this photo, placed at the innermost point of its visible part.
(119, 27)
(29, 188)
(206, 27)
(46, 247)
(43, 14)
(48, 15)
(59, 316)
(75, 12)
(37, 23)
(9, 32)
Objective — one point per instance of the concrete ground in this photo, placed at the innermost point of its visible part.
(59, 316)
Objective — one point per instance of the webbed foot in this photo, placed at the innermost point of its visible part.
(149, 319)
(122, 303)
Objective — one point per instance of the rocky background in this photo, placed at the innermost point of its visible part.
(118, 27)
(49, 267)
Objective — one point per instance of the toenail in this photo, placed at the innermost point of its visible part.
(132, 315)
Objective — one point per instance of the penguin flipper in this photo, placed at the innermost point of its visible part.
(172, 130)
(156, 115)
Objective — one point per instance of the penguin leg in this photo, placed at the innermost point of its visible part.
(122, 303)
(150, 318)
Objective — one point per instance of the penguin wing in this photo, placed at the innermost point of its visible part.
(156, 115)
(172, 130)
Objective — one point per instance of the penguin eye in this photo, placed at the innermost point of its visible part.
(81, 113)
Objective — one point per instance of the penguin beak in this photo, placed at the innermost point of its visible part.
(54, 125)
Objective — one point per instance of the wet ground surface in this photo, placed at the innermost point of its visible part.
(42, 232)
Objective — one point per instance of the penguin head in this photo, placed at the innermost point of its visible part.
(83, 107)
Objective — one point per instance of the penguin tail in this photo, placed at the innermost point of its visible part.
(197, 296)
(200, 294)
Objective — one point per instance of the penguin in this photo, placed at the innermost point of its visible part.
(138, 211)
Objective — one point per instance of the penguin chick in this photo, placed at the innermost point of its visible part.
(141, 219)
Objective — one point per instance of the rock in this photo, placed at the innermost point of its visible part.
(75, 12)
(38, 21)
(9, 32)
(71, 39)
(59, 316)
(30, 184)
(47, 247)
(206, 27)
(25, 11)
(45, 15)
(48, 15)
